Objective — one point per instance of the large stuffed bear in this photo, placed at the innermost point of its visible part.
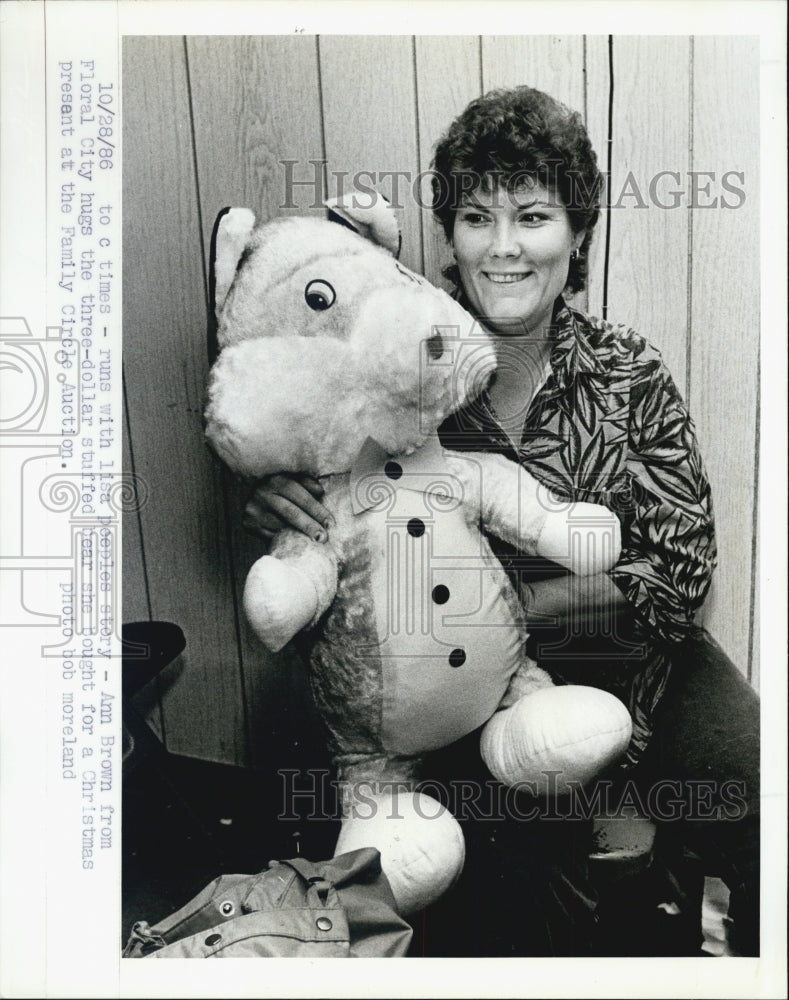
(338, 361)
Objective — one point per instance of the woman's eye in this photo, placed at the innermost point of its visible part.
(531, 219)
(474, 218)
(319, 295)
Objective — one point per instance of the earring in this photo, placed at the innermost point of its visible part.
(574, 255)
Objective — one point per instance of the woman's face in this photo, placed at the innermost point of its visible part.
(513, 253)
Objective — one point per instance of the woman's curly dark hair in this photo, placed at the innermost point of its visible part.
(507, 137)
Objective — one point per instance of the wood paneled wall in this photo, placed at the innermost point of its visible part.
(209, 122)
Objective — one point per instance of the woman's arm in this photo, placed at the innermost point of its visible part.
(668, 551)
(668, 539)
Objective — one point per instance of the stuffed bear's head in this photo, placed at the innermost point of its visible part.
(325, 340)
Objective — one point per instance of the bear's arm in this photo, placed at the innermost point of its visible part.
(512, 505)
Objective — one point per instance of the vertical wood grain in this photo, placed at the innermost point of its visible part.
(648, 275)
(725, 319)
(448, 76)
(256, 104)
(244, 130)
(597, 73)
(165, 367)
(553, 63)
(136, 607)
(369, 108)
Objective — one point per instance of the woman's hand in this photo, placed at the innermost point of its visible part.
(285, 501)
(572, 602)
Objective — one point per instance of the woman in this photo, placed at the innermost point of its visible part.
(592, 411)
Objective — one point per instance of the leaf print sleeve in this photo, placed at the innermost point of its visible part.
(668, 553)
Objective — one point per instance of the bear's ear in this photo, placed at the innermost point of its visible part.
(369, 214)
(232, 229)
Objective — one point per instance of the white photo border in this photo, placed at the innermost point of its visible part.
(59, 937)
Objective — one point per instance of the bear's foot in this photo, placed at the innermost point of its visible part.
(556, 738)
(420, 842)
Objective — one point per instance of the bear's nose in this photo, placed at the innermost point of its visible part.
(435, 346)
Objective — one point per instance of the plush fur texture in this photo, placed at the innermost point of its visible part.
(337, 360)
(364, 367)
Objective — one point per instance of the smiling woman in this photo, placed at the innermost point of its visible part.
(516, 189)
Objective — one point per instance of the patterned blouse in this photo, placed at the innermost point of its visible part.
(609, 426)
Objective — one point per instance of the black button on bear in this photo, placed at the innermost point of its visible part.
(440, 594)
(393, 470)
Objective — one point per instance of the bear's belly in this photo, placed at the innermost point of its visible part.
(446, 636)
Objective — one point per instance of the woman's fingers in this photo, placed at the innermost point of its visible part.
(282, 501)
(302, 493)
(260, 521)
(296, 517)
(254, 528)
(313, 485)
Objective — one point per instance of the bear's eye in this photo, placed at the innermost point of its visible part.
(319, 295)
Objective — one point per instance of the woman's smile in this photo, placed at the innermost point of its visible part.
(507, 278)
